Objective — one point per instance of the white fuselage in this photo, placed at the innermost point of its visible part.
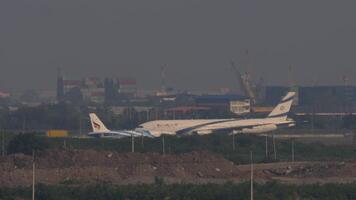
(173, 127)
(276, 119)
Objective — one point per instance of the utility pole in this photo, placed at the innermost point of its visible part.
(313, 106)
(80, 126)
(163, 79)
(274, 147)
(292, 150)
(129, 112)
(251, 163)
(163, 146)
(142, 140)
(312, 120)
(80, 121)
(24, 124)
(132, 143)
(2, 142)
(266, 146)
(233, 141)
(33, 174)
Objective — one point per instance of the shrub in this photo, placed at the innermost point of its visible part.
(26, 143)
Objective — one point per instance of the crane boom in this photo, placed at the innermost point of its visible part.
(245, 83)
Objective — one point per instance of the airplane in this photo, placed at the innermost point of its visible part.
(100, 130)
(277, 119)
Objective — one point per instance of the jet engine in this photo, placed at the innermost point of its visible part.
(204, 132)
(259, 129)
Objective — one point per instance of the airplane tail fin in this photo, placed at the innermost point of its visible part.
(280, 112)
(97, 124)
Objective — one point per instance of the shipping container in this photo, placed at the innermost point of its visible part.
(57, 133)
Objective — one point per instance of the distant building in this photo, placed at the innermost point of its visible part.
(71, 84)
(240, 107)
(327, 95)
(128, 86)
(89, 89)
(4, 95)
(93, 90)
(223, 102)
(324, 99)
(111, 91)
(274, 93)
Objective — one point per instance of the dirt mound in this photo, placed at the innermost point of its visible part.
(88, 165)
(315, 170)
(202, 164)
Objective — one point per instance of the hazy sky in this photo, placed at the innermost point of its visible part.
(195, 38)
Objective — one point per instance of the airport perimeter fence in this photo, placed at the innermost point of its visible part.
(234, 149)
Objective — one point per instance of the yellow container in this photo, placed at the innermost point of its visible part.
(57, 133)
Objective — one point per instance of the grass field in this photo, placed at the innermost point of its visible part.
(159, 190)
(217, 143)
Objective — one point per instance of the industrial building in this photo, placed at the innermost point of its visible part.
(234, 103)
(325, 98)
(95, 90)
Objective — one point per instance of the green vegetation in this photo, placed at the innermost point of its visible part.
(160, 190)
(26, 143)
(217, 143)
(60, 116)
(74, 117)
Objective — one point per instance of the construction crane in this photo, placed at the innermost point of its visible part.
(245, 83)
(163, 78)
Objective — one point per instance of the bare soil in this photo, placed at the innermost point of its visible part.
(89, 166)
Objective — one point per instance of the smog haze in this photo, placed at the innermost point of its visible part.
(196, 39)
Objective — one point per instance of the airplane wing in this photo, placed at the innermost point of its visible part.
(255, 128)
(192, 129)
(212, 130)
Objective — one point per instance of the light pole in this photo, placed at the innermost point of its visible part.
(274, 147)
(2, 142)
(132, 143)
(163, 145)
(292, 150)
(233, 141)
(33, 174)
(251, 163)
